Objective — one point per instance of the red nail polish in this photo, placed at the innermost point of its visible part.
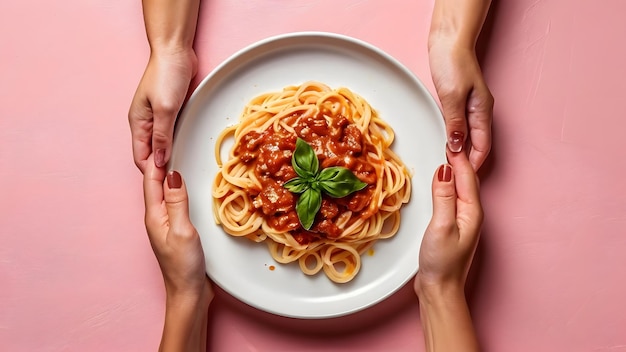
(174, 181)
(455, 141)
(159, 158)
(445, 173)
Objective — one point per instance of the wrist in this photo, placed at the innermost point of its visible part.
(440, 294)
(451, 40)
(191, 299)
(446, 319)
(441, 303)
(173, 49)
(184, 60)
(448, 50)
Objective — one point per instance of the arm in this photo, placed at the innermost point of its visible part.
(446, 255)
(171, 27)
(447, 322)
(465, 99)
(185, 327)
(177, 247)
(459, 21)
(170, 24)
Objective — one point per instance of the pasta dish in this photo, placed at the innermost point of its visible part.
(312, 175)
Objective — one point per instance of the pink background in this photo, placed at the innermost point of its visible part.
(76, 269)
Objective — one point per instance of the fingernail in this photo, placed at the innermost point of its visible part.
(159, 157)
(445, 173)
(455, 141)
(174, 181)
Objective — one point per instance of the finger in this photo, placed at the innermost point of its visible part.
(465, 178)
(453, 104)
(140, 162)
(469, 209)
(141, 134)
(177, 203)
(480, 117)
(141, 149)
(163, 130)
(444, 198)
(481, 146)
(153, 195)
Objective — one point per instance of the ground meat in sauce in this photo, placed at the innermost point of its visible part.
(336, 144)
(326, 227)
(275, 199)
(303, 237)
(329, 209)
(357, 201)
(285, 221)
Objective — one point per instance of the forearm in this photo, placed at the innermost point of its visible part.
(185, 326)
(170, 24)
(458, 20)
(447, 323)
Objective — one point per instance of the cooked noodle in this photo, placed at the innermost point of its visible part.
(344, 131)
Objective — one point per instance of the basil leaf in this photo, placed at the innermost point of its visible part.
(304, 160)
(307, 206)
(297, 185)
(339, 182)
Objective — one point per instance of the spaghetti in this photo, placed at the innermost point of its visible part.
(343, 130)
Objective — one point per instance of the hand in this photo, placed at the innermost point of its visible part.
(173, 237)
(177, 247)
(466, 101)
(451, 237)
(156, 104)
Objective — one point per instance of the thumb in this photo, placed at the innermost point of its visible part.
(454, 105)
(176, 202)
(162, 133)
(444, 198)
(479, 119)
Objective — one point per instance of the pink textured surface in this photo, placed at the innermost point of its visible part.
(76, 269)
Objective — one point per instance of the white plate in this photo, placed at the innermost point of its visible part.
(240, 266)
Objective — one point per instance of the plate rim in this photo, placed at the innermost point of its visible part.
(311, 35)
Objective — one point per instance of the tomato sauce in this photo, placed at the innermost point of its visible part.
(336, 142)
